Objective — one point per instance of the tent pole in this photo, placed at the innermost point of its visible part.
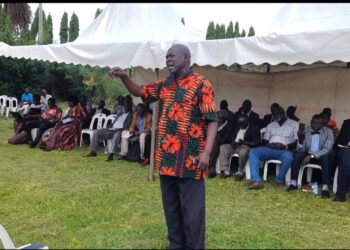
(153, 137)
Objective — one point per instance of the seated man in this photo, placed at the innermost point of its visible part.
(48, 119)
(332, 124)
(247, 109)
(291, 113)
(314, 146)
(101, 109)
(139, 129)
(280, 137)
(120, 123)
(44, 98)
(342, 158)
(224, 106)
(26, 98)
(246, 135)
(269, 117)
(225, 129)
(119, 105)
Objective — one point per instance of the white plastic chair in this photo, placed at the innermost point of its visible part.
(278, 165)
(246, 167)
(335, 181)
(11, 105)
(309, 167)
(8, 243)
(3, 104)
(100, 120)
(109, 119)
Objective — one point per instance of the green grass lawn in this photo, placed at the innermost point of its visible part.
(66, 201)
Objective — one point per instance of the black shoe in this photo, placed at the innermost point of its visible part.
(91, 154)
(123, 157)
(339, 198)
(110, 157)
(291, 188)
(32, 145)
(325, 194)
(212, 175)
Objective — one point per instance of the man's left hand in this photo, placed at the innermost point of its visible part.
(203, 160)
(306, 160)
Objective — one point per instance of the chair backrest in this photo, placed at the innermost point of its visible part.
(262, 132)
(3, 100)
(109, 120)
(5, 239)
(97, 121)
(12, 102)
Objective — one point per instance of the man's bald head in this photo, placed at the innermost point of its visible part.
(178, 59)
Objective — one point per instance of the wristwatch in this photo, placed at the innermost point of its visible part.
(312, 156)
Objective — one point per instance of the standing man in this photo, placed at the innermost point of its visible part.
(187, 128)
(44, 98)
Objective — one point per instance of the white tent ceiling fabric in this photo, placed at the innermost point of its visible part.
(139, 35)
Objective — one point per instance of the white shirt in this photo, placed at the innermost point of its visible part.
(120, 121)
(240, 134)
(285, 134)
(43, 100)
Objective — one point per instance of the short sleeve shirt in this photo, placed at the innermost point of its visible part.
(186, 106)
(285, 134)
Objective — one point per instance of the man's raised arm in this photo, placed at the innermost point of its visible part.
(132, 86)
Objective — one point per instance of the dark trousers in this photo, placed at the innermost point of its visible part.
(343, 159)
(148, 141)
(184, 209)
(42, 125)
(324, 161)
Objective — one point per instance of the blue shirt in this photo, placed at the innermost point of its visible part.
(141, 128)
(315, 144)
(27, 97)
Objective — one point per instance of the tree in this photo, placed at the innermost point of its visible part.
(48, 35)
(217, 31)
(210, 31)
(229, 32)
(236, 33)
(243, 34)
(35, 25)
(5, 28)
(64, 28)
(98, 12)
(20, 16)
(73, 27)
(251, 31)
(222, 31)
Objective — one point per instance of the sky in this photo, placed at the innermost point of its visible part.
(196, 15)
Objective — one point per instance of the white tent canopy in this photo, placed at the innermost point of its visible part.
(138, 35)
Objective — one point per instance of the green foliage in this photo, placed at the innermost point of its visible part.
(24, 39)
(98, 12)
(48, 33)
(243, 34)
(5, 28)
(35, 25)
(73, 27)
(236, 33)
(64, 28)
(251, 31)
(229, 32)
(211, 31)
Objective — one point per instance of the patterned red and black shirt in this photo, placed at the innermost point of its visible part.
(186, 106)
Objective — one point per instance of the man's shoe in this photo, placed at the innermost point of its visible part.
(279, 185)
(212, 175)
(339, 198)
(110, 157)
(32, 145)
(145, 162)
(291, 188)
(91, 154)
(123, 157)
(238, 177)
(224, 175)
(325, 194)
(255, 186)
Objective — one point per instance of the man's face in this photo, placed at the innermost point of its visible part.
(26, 90)
(317, 124)
(127, 106)
(279, 116)
(176, 61)
(246, 107)
(43, 92)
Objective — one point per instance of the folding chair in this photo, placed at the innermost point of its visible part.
(8, 243)
(99, 119)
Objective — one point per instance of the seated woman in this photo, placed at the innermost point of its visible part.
(66, 134)
(32, 114)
